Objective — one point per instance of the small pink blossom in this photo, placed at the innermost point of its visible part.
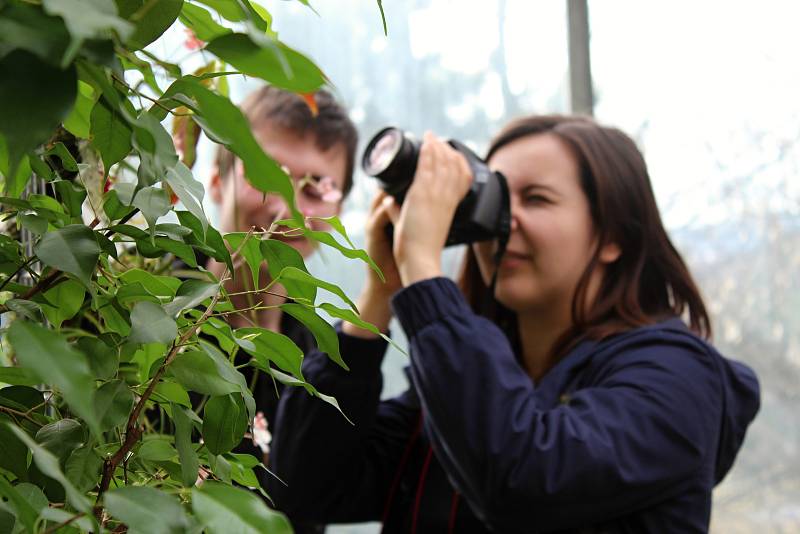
(261, 436)
(192, 42)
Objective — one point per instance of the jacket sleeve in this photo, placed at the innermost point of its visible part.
(634, 438)
(335, 471)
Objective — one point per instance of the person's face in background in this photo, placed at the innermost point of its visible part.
(242, 206)
(552, 233)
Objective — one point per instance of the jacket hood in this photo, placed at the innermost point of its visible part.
(740, 397)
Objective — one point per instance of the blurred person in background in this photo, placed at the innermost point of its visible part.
(317, 149)
(570, 387)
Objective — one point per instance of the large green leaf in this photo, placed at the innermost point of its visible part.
(198, 371)
(224, 122)
(324, 333)
(279, 255)
(63, 301)
(201, 22)
(150, 324)
(146, 510)
(15, 453)
(27, 27)
(153, 202)
(48, 464)
(24, 511)
(71, 194)
(18, 376)
(188, 190)
(152, 20)
(155, 147)
(162, 286)
(207, 236)
(274, 62)
(110, 133)
(61, 437)
(114, 402)
(224, 422)
(72, 249)
(224, 509)
(183, 442)
(190, 294)
(103, 358)
(301, 276)
(265, 346)
(83, 468)
(89, 19)
(57, 363)
(36, 97)
(250, 251)
(78, 121)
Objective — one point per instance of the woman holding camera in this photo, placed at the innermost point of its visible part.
(567, 394)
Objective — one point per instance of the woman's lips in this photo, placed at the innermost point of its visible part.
(514, 259)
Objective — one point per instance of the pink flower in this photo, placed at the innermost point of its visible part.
(192, 42)
(261, 436)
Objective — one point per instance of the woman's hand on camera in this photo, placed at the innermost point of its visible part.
(442, 180)
(374, 300)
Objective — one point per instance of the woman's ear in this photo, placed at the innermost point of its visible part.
(609, 253)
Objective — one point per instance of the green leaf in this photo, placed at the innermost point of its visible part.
(27, 27)
(72, 249)
(135, 292)
(224, 509)
(265, 346)
(23, 510)
(25, 308)
(71, 194)
(279, 255)
(110, 134)
(103, 359)
(155, 147)
(146, 510)
(157, 450)
(114, 403)
(188, 190)
(162, 245)
(89, 19)
(153, 202)
(162, 286)
(201, 23)
(83, 468)
(49, 355)
(190, 294)
(250, 251)
(226, 9)
(63, 301)
(15, 454)
(78, 121)
(168, 391)
(48, 464)
(152, 20)
(208, 236)
(224, 422)
(58, 516)
(36, 98)
(61, 437)
(276, 63)
(18, 376)
(324, 333)
(298, 275)
(224, 122)
(190, 464)
(198, 371)
(150, 324)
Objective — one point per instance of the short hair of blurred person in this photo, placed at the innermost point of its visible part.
(317, 149)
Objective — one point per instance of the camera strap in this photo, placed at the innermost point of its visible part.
(504, 223)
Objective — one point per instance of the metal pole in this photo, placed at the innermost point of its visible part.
(580, 71)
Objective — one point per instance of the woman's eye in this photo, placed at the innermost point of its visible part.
(536, 199)
(310, 191)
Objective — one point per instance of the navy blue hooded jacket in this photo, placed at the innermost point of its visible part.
(628, 434)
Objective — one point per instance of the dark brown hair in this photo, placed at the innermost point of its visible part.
(273, 107)
(648, 282)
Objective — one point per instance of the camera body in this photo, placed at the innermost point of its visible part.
(483, 214)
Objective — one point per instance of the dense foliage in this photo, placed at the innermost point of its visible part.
(101, 342)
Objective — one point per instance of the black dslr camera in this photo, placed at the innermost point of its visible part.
(484, 214)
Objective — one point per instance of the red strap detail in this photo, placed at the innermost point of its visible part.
(451, 525)
(400, 467)
(420, 487)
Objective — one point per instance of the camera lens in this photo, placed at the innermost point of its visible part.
(382, 151)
